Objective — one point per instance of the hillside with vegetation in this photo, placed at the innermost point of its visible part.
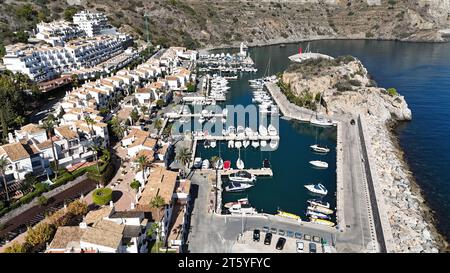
(207, 23)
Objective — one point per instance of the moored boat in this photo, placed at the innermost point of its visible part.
(320, 203)
(319, 149)
(319, 164)
(322, 222)
(320, 209)
(288, 215)
(317, 188)
(242, 176)
(237, 187)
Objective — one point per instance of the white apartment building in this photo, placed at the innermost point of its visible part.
(58, 32)
(93, 23)
(43, 62)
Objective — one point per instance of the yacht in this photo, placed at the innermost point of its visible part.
(318, 189)
(322, 121)
(240, 131)
(232, 131)
(242, 176)
(201, 120)
(319, 149)
(263, 143)
(255, 143)
(319, 203)
(230, 144)
(320, 209)
(319, 164)
(197, 163)
(242, 201)
(262, 130)
(242, 209)
(272, 130)
(238, 187)
(205, 164)
(237, 144)
(315, 214)
(213, 144)
(219, 164)
(245, 143)
(240, 164)
(273, 144)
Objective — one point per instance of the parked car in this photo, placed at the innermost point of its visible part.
(281, 232)
(316, 239)
(300, 247)
(289, 233)
(307, 237)
(298, 235)
(273, 230)
(280, 243)
(268, 239)
(312, 248)
(256, 235)
(352, 122)
(265, 229)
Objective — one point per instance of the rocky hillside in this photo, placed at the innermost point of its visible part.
(209, 23)
(344, 86)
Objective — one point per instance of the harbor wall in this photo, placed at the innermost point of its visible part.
(382, 226)
(340, 218)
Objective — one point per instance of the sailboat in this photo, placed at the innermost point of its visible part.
(239, 163)
(319, 149)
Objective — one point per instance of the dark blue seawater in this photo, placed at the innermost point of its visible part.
(419, 71)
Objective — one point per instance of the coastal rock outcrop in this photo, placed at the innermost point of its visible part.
(344, 88)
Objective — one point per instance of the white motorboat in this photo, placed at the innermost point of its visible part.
(242, 201)
(320, 203)
(197, 163)
(273, 144)
(262, 130)
(248, 131)
(319, 164)
(255, 143)
(242, 176)
(219, 164)
(232, 131)
(201, 120)
(205, 164)
(322, 121)
(240, 164)
(240, 131)
(319, 149)
(272, 130)
(320, 209)
(238, 187)
(207, 144)
(224, 120)
(245, 143)
(230, 144)
(213, 144)
(242, 209)
(315, 214)
(317, 188)
(263, 143)
(237, 144)
(225, 132)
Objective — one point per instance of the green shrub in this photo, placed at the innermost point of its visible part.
(42, 200)
(392, 92)
(102, 196)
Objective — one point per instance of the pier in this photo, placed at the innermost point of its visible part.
(236, 138)
(256, 172)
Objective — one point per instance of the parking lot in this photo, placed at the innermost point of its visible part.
(246, 244)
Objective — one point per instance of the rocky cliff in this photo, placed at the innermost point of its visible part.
(345, 87)
(212, 23)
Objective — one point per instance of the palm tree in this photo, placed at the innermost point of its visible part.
(96, 148)
(3, 163)
(143, 162)
(184, 157)
(116, 127)
(48, 125)
(90, 123)
(157, 203)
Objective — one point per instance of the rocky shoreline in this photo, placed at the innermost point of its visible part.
(346, 88)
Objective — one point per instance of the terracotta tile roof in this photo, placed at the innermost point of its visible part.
(66, 132)
(96, 215)
(102, 237)
(160, 182)
(65, 235)
(31, 128)
(14, 151)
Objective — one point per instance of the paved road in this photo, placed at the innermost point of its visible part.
(358, 219)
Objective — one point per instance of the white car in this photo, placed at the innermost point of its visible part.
(300, 247)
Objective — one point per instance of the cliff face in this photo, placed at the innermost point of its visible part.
(209, 23)
(345, 87)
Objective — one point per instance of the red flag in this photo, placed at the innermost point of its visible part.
(300, 51)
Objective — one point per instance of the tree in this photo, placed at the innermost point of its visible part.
(144, 109)
(117, 128)
(70, 12)
(134, 116)
(48, 125)
(77, 207)
(157, 203)
(40, 234)
(42, 200)
(184, 157)
(29, 182)
(19, 120)
(135, 184)
(158, 124)
(90, 123)
(16, 247)
(102, 196)
(3, 163)
(142, 162)
(96, 148)
(152, 230)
